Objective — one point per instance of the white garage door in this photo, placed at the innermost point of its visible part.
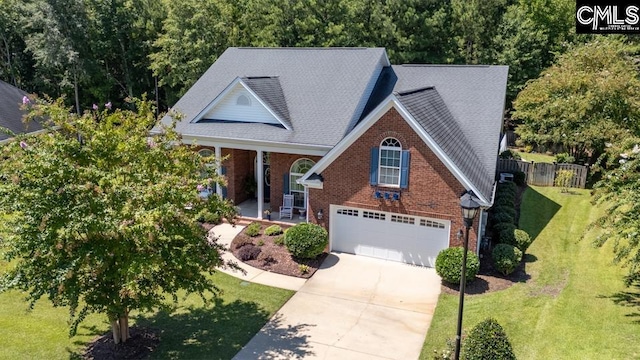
(397, 237)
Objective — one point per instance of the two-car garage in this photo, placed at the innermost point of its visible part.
(385, 235)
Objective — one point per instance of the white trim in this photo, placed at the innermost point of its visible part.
(218, 151)
(255, 145)
(260, 172)
(380, 166)
(304, 188)
(226, 92)
(370, 120)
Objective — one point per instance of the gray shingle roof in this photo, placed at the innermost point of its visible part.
(430, 111)
(270, 91)
(474, 96)
(10, 113)
(323, 88)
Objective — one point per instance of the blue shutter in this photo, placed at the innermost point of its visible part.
(373, 169)
(285, 184)
(404, 169)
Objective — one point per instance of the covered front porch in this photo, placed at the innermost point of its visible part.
(249, 210)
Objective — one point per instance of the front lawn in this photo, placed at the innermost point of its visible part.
(192, 331)
(565, 310)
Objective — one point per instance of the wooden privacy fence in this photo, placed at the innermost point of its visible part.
(544, 174)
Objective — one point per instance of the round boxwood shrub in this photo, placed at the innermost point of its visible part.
(505, 200)
(273, 230)
(516, 237)
(306, 240)
(487, 340)
(510, 210)
(449, 264)
(500, 227)
(503, 218)
(508, 186)
(506, 258)
(523, 240)
(253, 229)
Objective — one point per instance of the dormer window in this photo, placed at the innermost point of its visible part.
(243, 100)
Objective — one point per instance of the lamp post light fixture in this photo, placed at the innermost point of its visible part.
(469, 206)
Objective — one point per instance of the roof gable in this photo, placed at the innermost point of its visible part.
(325, 91)
(249, 100)
(469, 177)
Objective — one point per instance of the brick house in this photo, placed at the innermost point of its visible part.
(378, 154)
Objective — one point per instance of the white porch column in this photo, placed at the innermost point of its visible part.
(260, 181)
(218, 150)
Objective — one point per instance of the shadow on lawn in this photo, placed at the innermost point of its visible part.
(212, 332)
(539, 211)
(628, 299)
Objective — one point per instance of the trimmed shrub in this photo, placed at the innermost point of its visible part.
(306, 240)
(507, 237)
(449, 265)
(241, 242)
(273, 230)
(519, 178)
(523, 240)
(500, 227)
(505, 209)
(518, 238)
(487, 340)
(507, 187)
(503, 218)
(565, 158)
(506, 258)
(249, 252)
(505, 200)
(205, 216)
(279, 240)
(253, 229)
(510, 154)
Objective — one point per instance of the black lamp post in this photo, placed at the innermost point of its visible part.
(469, 207)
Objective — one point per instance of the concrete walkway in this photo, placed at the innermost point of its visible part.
(226, 234)
(353, 307)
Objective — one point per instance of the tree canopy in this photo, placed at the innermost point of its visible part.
(588, 98)
(102, 216)
(108, 50)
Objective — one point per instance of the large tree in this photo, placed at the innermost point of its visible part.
(103, 216)
(619, 193)
(591, 96)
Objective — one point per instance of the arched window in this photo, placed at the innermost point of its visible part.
(243, 100)
(298, 169)
(389, 167)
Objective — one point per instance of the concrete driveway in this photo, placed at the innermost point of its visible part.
(353, 307)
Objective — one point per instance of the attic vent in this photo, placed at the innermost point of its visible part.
(243, 101)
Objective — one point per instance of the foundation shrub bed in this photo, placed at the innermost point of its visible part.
(306, 240)
(449, 265)
(506, 258)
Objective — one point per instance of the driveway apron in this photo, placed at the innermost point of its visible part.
(353, 307)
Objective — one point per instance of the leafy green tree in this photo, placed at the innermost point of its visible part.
(588, 98)
(618, 192)
(102, 216)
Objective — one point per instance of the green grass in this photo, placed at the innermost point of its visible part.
(565, 310)
(191, 331)
(537, 157)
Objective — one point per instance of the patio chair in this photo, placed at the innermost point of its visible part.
(287, 206)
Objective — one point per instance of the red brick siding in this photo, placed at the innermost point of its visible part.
(280, 164)
(432, 192)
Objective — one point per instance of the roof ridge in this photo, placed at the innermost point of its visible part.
(309, 48)
(413, 91)
(447, 65)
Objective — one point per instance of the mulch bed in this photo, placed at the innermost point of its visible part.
(140, 345)
(489, 279)
(275, 258)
